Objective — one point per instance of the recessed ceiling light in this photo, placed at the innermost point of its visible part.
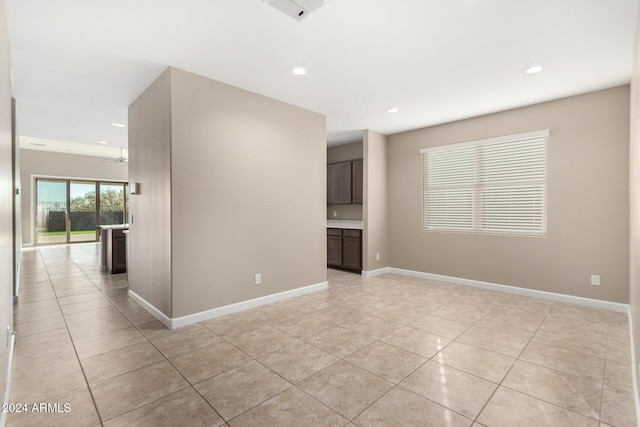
(534, 69)
(299, 71)
(99, 141)
(119, 125)
(37, 144)
(392, 110)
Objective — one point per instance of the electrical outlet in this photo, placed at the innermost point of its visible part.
(377, 256)
(258, 279)
(595, 279)
(335, 214)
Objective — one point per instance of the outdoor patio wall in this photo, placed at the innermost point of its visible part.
(587, 201)
(248, 195)
(35, 163)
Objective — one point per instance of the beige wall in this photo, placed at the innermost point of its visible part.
(588, 203)
(376, 203)
(247, 194)
(634, 205)
(6, 203)
(341, 153)
(149, 263)
(34, 163)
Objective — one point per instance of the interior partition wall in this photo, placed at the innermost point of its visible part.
(72, 210)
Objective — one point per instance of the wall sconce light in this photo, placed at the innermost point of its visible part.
(134, 188)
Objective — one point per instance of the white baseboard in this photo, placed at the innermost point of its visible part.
(173, 323)
(607, 305)
(634, 372)
(7, 388)
(166, 321)
(374, 273)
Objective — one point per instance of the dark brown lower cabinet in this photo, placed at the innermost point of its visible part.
(344, 249)
(116, 251)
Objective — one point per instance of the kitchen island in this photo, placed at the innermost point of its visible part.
(113, 248)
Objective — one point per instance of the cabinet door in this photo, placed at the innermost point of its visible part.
(119, 255)
(334, 251)
(352, 252)
(339, 183)
(332, 184)
(357, 180)
(344, 182)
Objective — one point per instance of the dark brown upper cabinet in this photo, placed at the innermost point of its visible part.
(339, 183)
(344, 182)
(357, 169)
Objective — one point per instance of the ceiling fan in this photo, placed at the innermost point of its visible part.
(122, 159)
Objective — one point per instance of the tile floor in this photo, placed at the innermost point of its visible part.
(384, 351)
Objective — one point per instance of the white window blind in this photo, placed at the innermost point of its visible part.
(495, 185)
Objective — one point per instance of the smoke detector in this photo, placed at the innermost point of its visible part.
(297, 9)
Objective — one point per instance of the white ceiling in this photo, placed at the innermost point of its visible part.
(78, 64)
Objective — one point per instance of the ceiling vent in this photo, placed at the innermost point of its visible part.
(297, 9)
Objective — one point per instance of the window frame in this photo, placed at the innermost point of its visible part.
(475, 209)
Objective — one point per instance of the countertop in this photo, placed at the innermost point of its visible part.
(345, 223)
(114, 226)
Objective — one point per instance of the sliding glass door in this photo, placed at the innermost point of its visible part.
(69, 211)
(82, 211)
(51, 211)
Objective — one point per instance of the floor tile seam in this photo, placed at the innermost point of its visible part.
(111, 351)
(97, 383)
(58, 395)
(349, 420)
(283, 391)
(572, 353)
(84, 375)
(452, 339)
(463, 371)
(22, 334)
(548, 402)
(137, 327)
(412, 352)
(610, 340)
(430, 313)
(335, 355)
(604, 380)
(434, 402)
(77, 355)
(500, 384)
(164, 397)
(145, 404)
(228, 341)
(227, 421)
(19, 321)
(44, 370)
(55, 297)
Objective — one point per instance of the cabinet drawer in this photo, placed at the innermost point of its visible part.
(117, 233)
(351, 233)
(334, 231)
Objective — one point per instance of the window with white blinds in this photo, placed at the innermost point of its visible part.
(496, 185)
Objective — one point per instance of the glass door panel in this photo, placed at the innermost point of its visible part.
(51, 211)
(112, 203)
(82, 211)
